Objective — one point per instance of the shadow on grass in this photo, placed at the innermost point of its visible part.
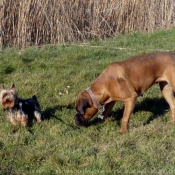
(49, 113)
(157, 106)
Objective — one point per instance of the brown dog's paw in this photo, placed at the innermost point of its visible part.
(171, 122)
(120, 133)
(122, 130)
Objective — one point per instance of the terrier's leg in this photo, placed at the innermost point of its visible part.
(38, 116)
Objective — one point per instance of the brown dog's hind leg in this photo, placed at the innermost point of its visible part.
(168, 94)
(129, 107)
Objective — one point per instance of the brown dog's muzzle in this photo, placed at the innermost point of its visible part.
(79, 120)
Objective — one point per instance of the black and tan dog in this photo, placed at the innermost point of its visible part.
(19, 110)
(125, 81)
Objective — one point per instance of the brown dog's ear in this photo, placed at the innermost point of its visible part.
(83, 103)
(3, 87)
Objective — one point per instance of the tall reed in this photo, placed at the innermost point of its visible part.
(36, 22)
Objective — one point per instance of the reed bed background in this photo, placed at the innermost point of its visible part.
(33, 22)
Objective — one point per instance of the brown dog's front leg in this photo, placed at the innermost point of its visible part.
(129, 107)
(108, 108)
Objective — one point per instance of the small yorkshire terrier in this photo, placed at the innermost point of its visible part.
(19, 110)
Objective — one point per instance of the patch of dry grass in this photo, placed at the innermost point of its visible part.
(33, 22)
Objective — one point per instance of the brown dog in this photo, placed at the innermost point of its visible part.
(125, 81)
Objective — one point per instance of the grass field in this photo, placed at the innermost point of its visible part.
(56, 74)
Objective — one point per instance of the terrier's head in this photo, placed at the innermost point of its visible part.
(8, 97)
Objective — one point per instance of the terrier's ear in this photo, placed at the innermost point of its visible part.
(3, 87)
(13, 86)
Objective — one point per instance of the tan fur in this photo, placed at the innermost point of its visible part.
(17, 118)
(125, 81)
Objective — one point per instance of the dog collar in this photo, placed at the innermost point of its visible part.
(100, 107)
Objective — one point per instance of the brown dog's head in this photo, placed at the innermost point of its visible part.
(85, 109)
(8, 97)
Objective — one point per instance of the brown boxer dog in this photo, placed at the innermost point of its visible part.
(125, 81)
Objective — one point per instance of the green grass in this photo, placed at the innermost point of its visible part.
(56, 74)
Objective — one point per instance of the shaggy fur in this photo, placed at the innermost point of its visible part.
(19, 110)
